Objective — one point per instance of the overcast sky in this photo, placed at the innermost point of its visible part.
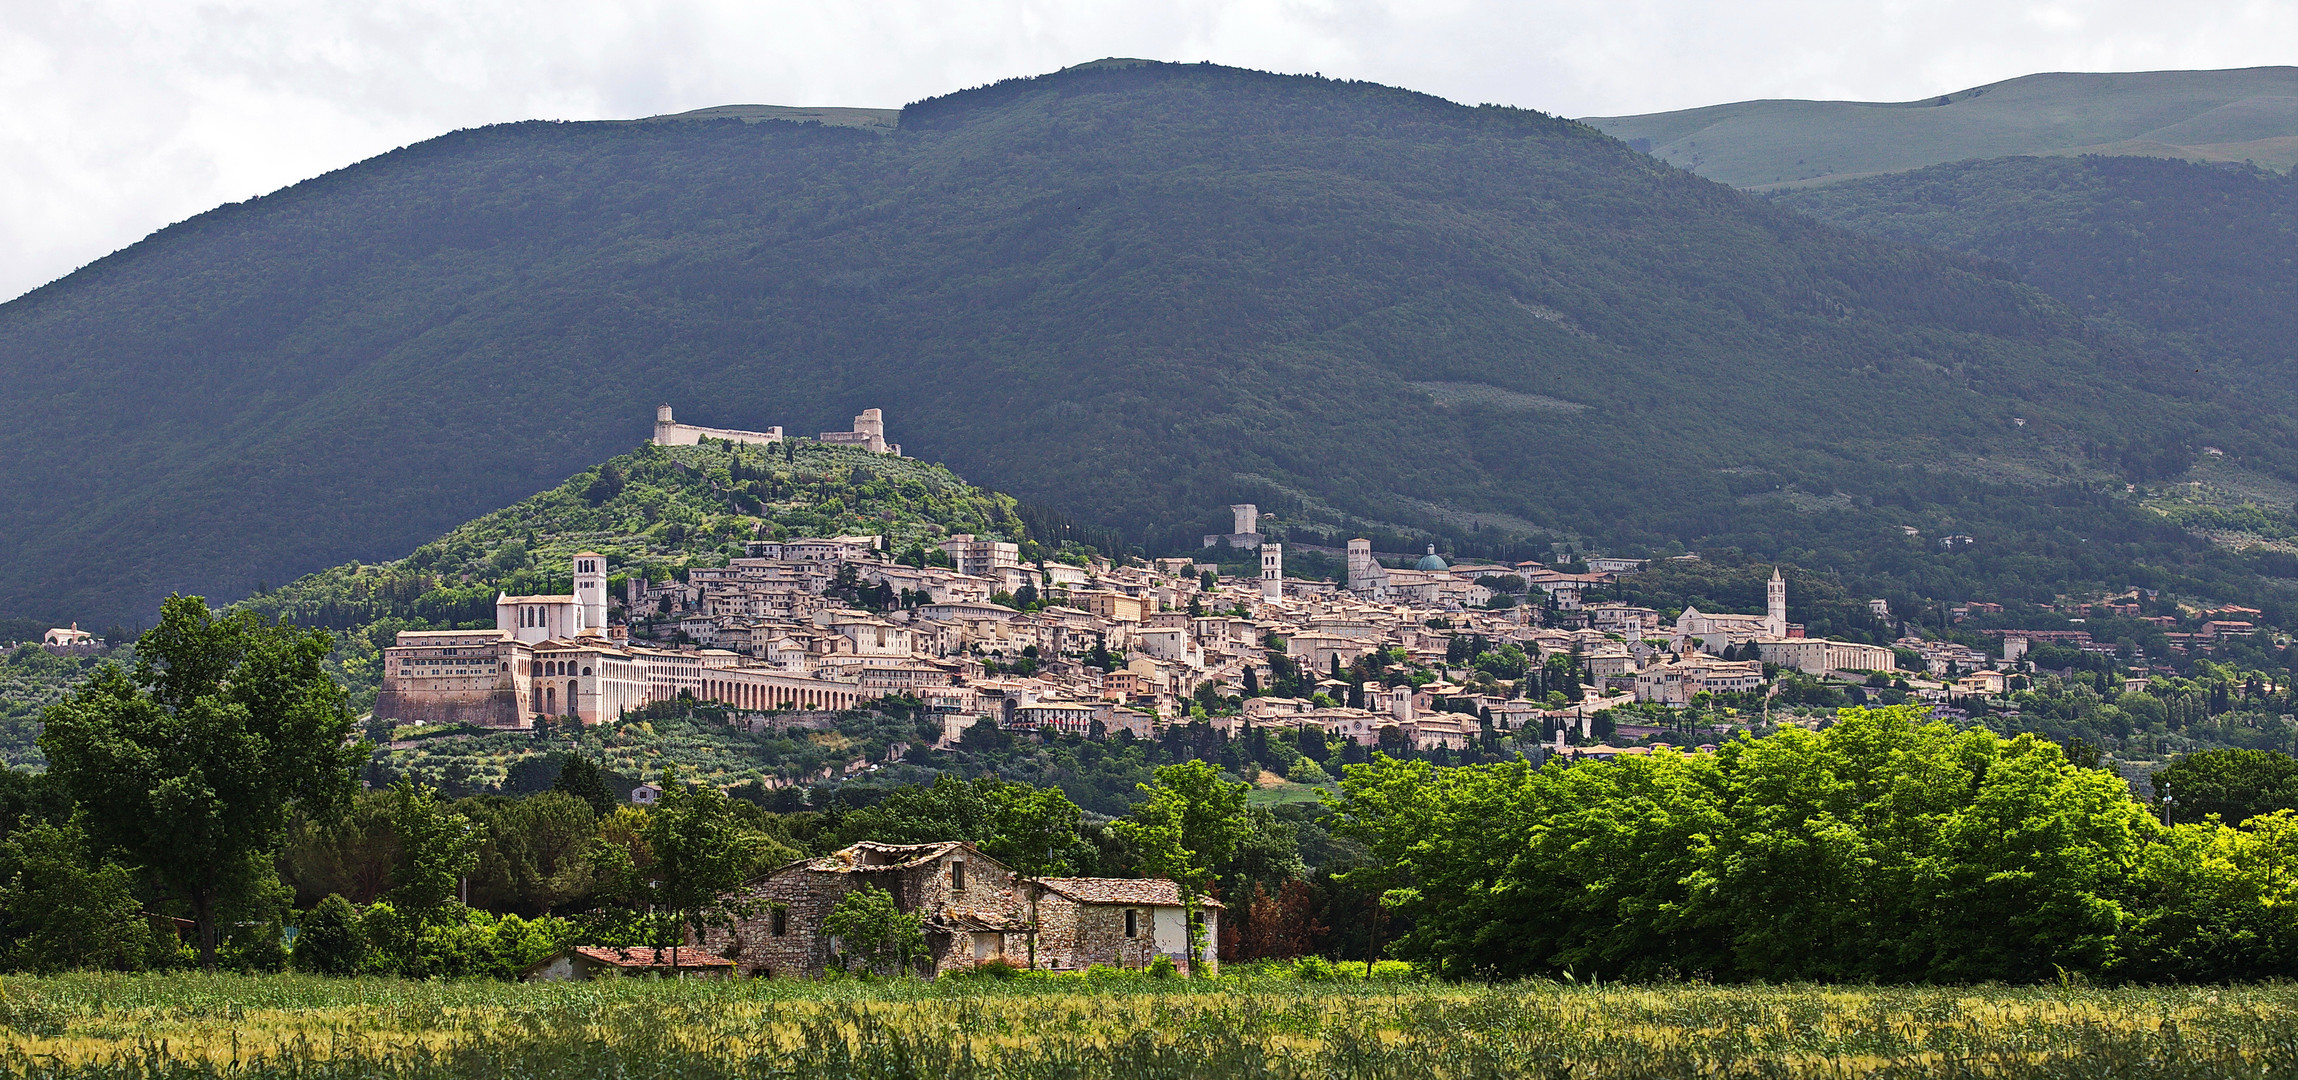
(121, 117)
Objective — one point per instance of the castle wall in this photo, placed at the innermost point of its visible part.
(690, 435)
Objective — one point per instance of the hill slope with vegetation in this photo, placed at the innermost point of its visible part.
(1134, 293)
(653, 513)
(2195, 259)
(2246, 114)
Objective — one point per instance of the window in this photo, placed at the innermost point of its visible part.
(780, 920)
(957, 875)
(1132, 923)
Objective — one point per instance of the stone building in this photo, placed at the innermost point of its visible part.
(982, 558)
(1116, 922)
(1714, 632)
(1245, 521)
(1696, 673)
(869, 433)
(1819, 656)
(972, 908)
(554, 656)
(975, 909)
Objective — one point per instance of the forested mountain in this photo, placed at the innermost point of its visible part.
(2200, 260)
(2247, 114)
(1130, 292)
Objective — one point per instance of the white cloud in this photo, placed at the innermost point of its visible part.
(122, 117)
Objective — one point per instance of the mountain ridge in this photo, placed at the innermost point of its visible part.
(2233, 114)
(1134, 294)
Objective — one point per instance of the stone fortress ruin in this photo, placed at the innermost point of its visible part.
(869, 433)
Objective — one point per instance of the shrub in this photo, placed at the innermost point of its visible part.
(330, 942)
(1162, 968)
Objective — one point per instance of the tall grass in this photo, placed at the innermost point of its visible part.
(190, 1026)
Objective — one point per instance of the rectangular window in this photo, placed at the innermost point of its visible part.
(957, 875)
(1132, 923)
(780, 920)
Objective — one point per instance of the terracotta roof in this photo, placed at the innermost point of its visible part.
(1148, 892)
(640, 958)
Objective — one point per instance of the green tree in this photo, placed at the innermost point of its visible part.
(189, 764)
(1268, 854)
(62, 909)
(437, 848)
(2236, 785)
(1189, 824)
(1036, 831)
(330, 942)
(351, 853)
(872, 930)
(702, 852)
(1888, 847)
(582, 778)
(535, 854)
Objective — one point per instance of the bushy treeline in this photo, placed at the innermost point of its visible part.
(1883, 848)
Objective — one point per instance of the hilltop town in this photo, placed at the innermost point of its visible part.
(1407, 652)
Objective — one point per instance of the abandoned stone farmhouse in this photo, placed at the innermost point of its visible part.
(975, 909)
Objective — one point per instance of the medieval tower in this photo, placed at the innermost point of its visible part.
(1775, 605)
(1272, 572)
(590, 591)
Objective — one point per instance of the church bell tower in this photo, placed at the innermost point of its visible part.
(1775, 605)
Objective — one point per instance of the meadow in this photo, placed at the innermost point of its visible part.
(1249, 1023)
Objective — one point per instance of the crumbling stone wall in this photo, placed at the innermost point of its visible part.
(805, 897)
(1073, 936)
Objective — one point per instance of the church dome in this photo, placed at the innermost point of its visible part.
(1430, 561)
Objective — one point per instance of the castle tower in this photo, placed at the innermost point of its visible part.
(1775, 605)
(590, 592)
(1272, 572)
(871, 426)
(1248, 518)
(1359, 563)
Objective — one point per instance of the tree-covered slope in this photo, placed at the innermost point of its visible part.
(2247, 114)
(2198, 259)
(1132, 292)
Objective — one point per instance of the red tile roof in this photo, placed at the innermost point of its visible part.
(642, 958)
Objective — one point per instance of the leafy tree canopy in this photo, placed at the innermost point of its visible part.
(187, 765)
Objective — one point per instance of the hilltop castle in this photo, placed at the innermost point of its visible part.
(869, 433)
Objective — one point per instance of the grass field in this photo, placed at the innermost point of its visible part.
(194, 1026)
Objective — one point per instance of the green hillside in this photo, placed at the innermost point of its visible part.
(1131, 293)
(652, 512)
(2249, 114)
